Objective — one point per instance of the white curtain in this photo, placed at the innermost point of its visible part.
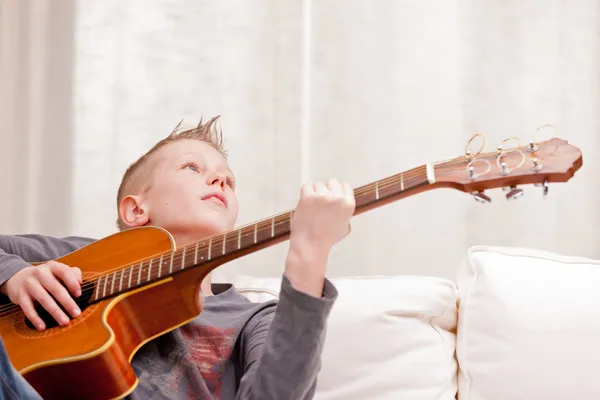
(307, 90)
(36, 113)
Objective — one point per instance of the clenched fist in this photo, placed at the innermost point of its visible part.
(321, 219)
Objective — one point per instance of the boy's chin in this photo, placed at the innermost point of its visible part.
(199, 229)
(209, 228)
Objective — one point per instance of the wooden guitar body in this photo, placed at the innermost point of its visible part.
(90, 358)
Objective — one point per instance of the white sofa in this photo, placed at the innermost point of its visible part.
(516, 324)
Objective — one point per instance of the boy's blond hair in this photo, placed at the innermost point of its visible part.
(137, 177)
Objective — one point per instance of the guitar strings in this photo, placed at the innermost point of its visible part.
(408, 178)
(90, 285)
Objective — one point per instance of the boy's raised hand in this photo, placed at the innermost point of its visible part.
(321, 219)
(39, 284)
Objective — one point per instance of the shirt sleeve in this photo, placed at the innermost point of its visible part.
(281, 350)
(19, 251)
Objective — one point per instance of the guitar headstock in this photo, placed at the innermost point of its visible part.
(539, 164)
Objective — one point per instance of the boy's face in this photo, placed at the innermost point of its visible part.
(191, 194)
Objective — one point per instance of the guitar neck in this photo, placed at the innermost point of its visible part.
(552, 160)
(217, 249)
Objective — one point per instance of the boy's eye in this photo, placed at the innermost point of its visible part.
(192, 167)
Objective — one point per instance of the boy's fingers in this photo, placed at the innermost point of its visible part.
(39, 293)
(71, 279)
(79, 274)
(320, 188)
(70, 276)
(29, 311)
(335, 187)
(306, 189)
(53, 285)
(348, 190)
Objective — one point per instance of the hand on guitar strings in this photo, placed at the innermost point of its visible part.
(43, 284)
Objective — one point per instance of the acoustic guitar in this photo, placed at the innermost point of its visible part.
(139, 285)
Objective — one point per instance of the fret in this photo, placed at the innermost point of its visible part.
(104, 290)
(233, 242)
(121, 281)
(150, 269)
(98, 287)
(282, 226)
(388, 189)
(376, 190)
(140, 273)
(245, 237)
(204, 250)
(112, 283)
(401, 181)
(430, 173)
(196, 254)
(224, 243)
(130, 269)
(263, 233)
(171, 265)
(273, 227)
(209, 247)
(183, 258)
(160, 260)
(255, 229)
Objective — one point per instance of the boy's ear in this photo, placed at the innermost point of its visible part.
(132, 212)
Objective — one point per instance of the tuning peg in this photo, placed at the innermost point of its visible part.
(482, 197)
(504, 170)
(514, 193)
(468, 156)
(536, 164)
(532, 147)
(545, 185)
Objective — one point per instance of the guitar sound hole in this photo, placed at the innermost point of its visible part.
(82, 302)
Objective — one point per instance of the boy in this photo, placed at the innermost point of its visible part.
(234, 349)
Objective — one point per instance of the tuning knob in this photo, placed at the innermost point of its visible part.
(532, 147)
(536, 165)
(515, 193)
(545, 185)
(482, 197)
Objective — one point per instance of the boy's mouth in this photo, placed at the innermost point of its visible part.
(217, 198)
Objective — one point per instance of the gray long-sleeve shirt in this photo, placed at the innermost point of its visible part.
(234, 349)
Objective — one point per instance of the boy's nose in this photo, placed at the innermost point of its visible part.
(217, 179)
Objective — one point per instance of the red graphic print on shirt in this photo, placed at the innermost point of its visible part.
(209, 348)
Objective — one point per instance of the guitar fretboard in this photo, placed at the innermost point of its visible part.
(257, 234)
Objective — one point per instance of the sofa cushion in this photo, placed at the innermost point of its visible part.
(387, 337)
(529, 323)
